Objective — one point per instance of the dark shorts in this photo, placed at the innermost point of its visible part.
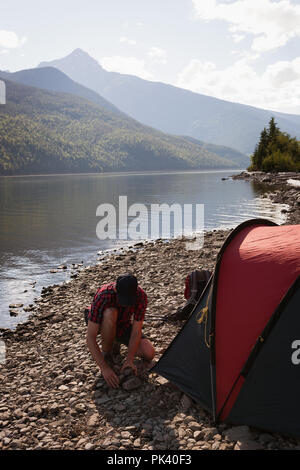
(124, 339)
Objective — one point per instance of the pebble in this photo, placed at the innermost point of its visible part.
(185, 402)
(14, 313)
(93, 420)
(89, 446)
(137, 443)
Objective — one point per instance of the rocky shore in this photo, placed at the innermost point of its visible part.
(283, 188)
(53, 395)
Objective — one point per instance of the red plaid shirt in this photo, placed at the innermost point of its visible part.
(106, 297)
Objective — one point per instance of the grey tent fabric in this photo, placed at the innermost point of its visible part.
(186, 363)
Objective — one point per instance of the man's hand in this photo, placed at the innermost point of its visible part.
(110, 377)
(129, 363)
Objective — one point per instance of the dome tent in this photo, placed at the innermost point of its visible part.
(238, 354)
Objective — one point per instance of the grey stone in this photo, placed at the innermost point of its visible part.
(35, 411)
(194, 426)
(238, 433)
(93, 420)
(89, 446)
(132, 383)
(265, 438)
(185, 402)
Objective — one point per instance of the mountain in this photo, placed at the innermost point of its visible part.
(50, 78)
(54, 80)
(225, 152)
(43, 131)
(175, 110)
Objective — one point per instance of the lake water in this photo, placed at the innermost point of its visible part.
(46, 221)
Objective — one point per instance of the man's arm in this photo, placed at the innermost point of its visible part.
(134, 341)
(91, 341)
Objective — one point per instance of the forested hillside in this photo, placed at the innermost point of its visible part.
(43, 131)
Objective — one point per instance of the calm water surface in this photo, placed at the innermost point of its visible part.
(46, 221)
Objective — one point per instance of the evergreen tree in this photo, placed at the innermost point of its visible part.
(262, 147)
(273, 130)
(260, 151)
(276, 151)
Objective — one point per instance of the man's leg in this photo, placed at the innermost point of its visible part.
(146, 350)
(108, 329)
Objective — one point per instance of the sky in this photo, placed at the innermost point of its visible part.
(245, 51)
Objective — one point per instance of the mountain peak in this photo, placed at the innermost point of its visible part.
(76, 58)
(79, 53)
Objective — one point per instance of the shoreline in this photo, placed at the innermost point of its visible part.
(101, 256)
(73, 269)
(127, 173)
(279, 191)
(53, 395)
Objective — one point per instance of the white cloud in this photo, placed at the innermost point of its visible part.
(238, 37)
(127, 40)
(276, 88)
(158, 54)
(127, 65)
(284, 72)
(273, 23)
(10, 40)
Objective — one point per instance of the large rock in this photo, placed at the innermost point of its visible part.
(132, 383)
(238, 433)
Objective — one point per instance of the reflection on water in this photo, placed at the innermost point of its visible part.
(46, 221)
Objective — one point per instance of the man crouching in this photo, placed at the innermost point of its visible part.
(113, 308)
